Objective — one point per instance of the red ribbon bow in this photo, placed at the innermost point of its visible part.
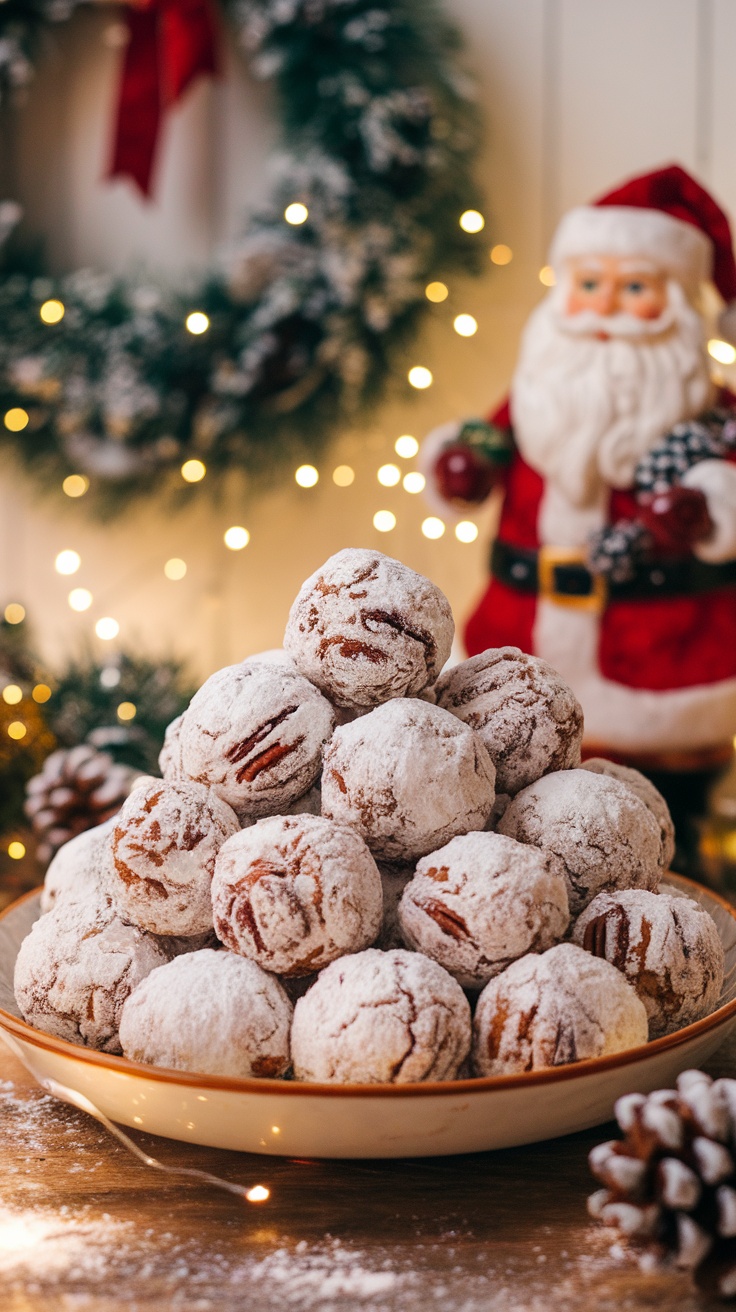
(170, 42)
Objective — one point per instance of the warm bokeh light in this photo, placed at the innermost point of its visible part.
(466, 531)
(17, 730)
(236, 537)
(501, 254)
(723, 352)
(52, 311)
(41, 693)
(16, 850)
(414, 482)
(80, 599)
(384, 521)
(15, 613)
(306, 476)
(193, 471)
(343, 476)
(107, 628)
(389, 475)
(197, 323)
(547, 276)
(258, 1194)
(12, 694)
(67, 562)
(465, 325)
(75, 485)
(16, 419)
(432, 527)
(296, 213)
(127, 711)
(472, 221)
(420, 377)
(436, 292)
(406, 446)
(110, 676)
(175, 568)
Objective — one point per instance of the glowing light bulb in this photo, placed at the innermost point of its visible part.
(16, 419)
(384, 521)
(41, 693)
(127, 711)
(175, 569)
(15, 613)
(52, 311)
(547, 276)
(472, 221)
(306, 476)
(414, 482)
(432, 527)
(436, 292)
(420, 377)
(107, 628)
(465, 325)
(466, 531)
(16, 851)
(12, 694)
(67, 562)
(388, 475)
(296, 213)
(723, 352)
(258, 1194)
(80, 599)
(17, 730)
(501, 254)
(236, 537)
(193, 471)
(343, 476)
(75, 485)
(197, 323)
(406, 446)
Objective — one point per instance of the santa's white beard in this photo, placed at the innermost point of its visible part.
(585, 411)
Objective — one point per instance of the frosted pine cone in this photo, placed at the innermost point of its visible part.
(77, 789)
(670, 1184)
(616, 549)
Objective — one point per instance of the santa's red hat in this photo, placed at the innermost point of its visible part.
(665, 216)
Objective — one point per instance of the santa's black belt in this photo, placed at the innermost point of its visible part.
(561, 575)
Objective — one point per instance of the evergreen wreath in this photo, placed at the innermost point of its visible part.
(307, 323)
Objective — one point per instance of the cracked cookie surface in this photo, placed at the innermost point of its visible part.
(648, 794)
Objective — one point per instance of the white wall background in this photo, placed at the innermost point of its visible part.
(577, 94)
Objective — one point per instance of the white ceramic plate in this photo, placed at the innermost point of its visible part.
(287, 1118)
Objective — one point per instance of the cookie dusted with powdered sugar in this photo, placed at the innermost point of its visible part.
(529, 720)
(381, 1017)
(76, 968)
(162, 855)
(255, 732)
(408, 777)
(209, 1012)
(648, 794)
(548, 1010)
(169, 758)
(668, 948)
(365, 628)
(481, 902)
(295, 892)
(605, 836)
(77, 868)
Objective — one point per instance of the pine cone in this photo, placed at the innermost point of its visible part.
(77, 789)
(670, 1184)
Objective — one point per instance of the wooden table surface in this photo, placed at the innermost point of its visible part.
(85, 1228)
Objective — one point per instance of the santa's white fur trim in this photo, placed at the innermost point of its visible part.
(716, 479)
(671, 244)
(629, 719)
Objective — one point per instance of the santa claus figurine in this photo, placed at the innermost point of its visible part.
(615, 558)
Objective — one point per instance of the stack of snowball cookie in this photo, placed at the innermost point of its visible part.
(360, 868)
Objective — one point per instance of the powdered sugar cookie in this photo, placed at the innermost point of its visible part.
(255, 733)
(295, 892)
(381, 1017)
(210, 1012)
(548, 1010)
(648, 794)
(76, 869)
(169, 758)
(605, 836)
(408, 776)
(481, 902)
(365, 628)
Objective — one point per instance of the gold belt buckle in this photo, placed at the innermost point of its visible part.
(548, 560)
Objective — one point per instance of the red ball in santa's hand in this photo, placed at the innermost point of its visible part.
(676, 518)
(462, 474)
